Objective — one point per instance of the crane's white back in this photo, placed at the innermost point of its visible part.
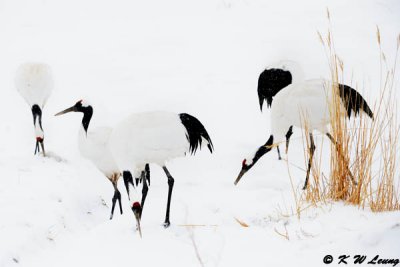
(34, 81)
(150, 137)
(300, 103)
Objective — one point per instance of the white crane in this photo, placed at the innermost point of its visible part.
(154, 137)
(273, 79)
(93, 145)
(308, 100)
(34, 82)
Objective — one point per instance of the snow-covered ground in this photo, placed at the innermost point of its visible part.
(199, 57)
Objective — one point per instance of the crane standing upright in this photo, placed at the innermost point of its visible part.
(93, 145)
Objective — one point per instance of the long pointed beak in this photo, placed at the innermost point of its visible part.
(242, 172)
(37, 149)
(137, 217)
(71, 109)
(42, 145)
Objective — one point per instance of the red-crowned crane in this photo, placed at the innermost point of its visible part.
(311, 99)
(273, 79)
(34, 82)
(154, 137)
(93, 145)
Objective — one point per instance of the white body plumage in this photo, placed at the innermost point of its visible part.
(93, 145)
(151, 137)
(300, 103)
(34, 82)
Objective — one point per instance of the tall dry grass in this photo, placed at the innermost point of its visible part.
(365, 153)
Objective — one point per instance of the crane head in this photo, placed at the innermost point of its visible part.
(80, 106)
(245, 167)
(248, 163)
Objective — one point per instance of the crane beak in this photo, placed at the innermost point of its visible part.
(137, 216)
(137, 211)
(242, 172)
(42, 145)
(71, 109)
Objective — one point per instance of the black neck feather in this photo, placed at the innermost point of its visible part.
(87, 116)
(37, 112)
(262, 150)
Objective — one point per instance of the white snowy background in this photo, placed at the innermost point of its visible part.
(199, 57)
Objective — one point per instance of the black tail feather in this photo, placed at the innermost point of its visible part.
(195, 133)
(353, 101)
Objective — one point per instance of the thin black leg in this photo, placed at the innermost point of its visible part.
(279, 153)
(170, 187)
(37, 148)
(337, 148)
(127, 180)
(145, 189)
(117, 196)
(288, 135)
(119, 202)
(312, 149)
(147, 171)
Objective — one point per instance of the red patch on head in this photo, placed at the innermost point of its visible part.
(136, 205)
(39, 139)
(244, 162)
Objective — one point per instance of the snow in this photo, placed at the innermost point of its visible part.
(202, 58)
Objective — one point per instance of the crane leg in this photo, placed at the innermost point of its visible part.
(127, 180)
(117, 196)
(170, 187)
(337, 148)
(147, 172)
(38, 146)
(312, 150)
(44, 152)
(145, 189)
(146, 175)
(288, 135)
(279, 153)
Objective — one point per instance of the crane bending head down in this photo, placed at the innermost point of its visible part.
(309, 102)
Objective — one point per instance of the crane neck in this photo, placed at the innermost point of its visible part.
(262, 150)
(37, 120)
(87, 116)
